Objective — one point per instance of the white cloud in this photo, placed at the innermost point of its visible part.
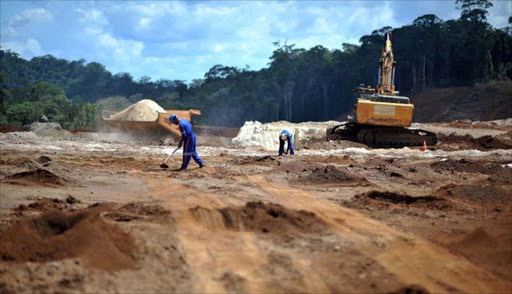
(25, 19)
(30, 48)
(155, 9)
(117, 49)
(372, 18)
(92, 17)
(499, 13)
(145, 22)
(33, 47)
(207, 11)
(218, 47)
(35, 15)
(184, 39)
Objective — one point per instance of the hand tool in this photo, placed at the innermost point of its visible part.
(164, 165)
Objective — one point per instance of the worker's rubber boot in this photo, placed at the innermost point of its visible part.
(202, 165)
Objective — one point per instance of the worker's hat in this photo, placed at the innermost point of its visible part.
(173, 118)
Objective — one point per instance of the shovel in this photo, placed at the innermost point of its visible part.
(164, 165)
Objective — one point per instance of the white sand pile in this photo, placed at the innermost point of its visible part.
(502, 122)
(144, 110)
(256, 134)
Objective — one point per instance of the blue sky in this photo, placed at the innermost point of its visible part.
(182, 40)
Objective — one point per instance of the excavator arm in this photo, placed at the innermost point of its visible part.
(386, 69)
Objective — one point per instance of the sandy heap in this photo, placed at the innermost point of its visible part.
(144, 110)
(256, 134)
(57, 235)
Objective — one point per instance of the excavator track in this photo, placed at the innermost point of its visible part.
(384, 137)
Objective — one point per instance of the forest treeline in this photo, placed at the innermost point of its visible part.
(298, 85)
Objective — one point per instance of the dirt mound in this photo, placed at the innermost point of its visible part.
(28, 164)
(143, 209)
(412, 289)
(232, 282)
(144, 110)
(58, 235)
(399, 198)
(503, 141)
(329, 174)
(497, 173)
(47, 204)
(479, 238)
(272, 219)
(37, 177)
(40, 172)
(482, 247)
(461, 165)
(485, 196)
(380, 198)
(137, 211)
(345, 159)
(295, 167)
(44, 160)
(259, 160)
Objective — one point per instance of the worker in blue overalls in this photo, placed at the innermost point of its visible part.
(285, 136)
(187, 137)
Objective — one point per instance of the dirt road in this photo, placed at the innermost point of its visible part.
(84, 216)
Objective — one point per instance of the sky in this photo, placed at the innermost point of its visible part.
(182, 40)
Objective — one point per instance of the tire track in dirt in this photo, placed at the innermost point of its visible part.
(213, 253)
(217, 255)
(413, 260)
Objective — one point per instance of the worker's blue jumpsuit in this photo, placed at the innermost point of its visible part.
(290, 142)
(189, 144)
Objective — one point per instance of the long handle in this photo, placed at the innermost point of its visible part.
(171, 154)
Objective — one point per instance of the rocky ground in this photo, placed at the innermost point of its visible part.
(94, 213)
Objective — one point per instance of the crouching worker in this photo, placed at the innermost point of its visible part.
(189, 139)
(285, 136)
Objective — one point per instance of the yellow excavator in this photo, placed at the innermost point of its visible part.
(382, 117)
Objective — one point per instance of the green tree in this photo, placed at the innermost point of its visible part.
(5, 95)
(21, 113)
(474, 10)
